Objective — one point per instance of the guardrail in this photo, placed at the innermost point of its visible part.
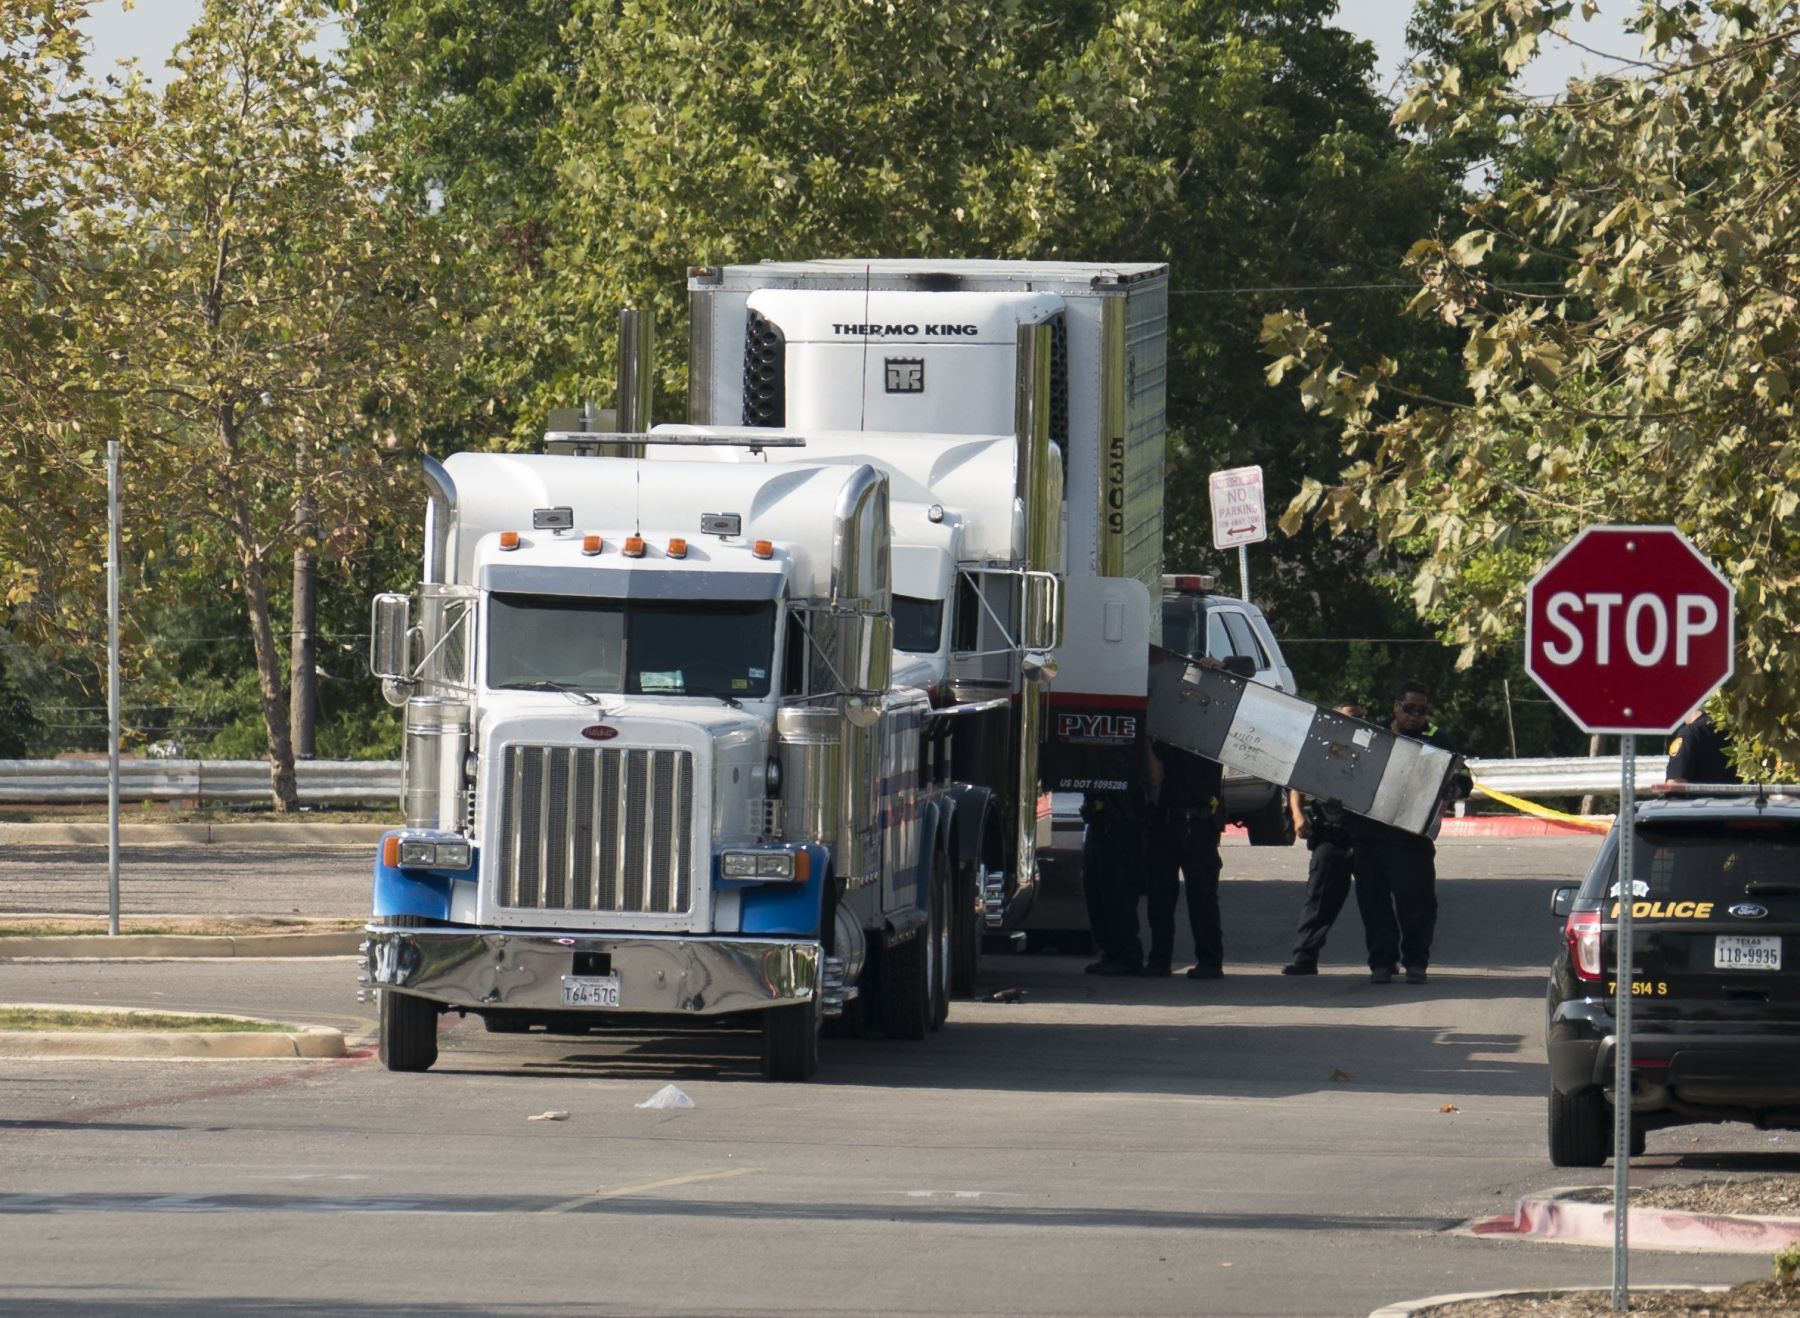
(54, 781)
(75, 781)
(1586, 775)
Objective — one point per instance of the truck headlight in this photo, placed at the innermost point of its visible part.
(429, 854)
(781, 866)
(775, 865)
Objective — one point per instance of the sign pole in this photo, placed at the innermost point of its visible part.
(1243, 574)
(1627, 826)
(112, 687)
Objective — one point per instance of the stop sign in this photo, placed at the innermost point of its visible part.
(1629, 629)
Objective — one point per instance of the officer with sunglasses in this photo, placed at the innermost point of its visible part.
(1396, 871)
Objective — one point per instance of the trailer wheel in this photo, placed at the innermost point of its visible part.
(408, 1031)
(790, 1042)
(941, 921)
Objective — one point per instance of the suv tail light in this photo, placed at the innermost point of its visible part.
(1583, 933)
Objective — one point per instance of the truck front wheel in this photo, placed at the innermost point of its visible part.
(790, 1042)
(408, 1031)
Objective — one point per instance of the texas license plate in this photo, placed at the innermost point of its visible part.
(1742, 952)
(590, 990)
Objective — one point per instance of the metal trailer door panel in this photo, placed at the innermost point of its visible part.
(1291, 742)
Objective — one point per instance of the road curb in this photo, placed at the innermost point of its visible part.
(167, 835)
(1555, 1217)
(105, 947)
(299, 1041)
(1408, 1308)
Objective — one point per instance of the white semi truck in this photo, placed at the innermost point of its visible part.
(755, 715)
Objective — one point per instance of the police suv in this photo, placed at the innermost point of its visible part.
(1715, 979)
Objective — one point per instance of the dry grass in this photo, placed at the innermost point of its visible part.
(113, 1022)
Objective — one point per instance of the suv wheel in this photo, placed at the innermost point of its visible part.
(1580, 1128)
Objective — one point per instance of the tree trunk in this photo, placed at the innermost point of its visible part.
(268, 681)
(303, 688)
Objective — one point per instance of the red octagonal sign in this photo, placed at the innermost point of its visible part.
(1629, 629)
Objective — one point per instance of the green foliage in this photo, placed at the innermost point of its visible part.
(1787, 1264)
(604, 148)
(1653, 386)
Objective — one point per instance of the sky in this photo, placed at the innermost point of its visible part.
(150, 30)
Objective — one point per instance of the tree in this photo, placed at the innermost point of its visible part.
(259, 311)
(1654, 385)
(604, 148)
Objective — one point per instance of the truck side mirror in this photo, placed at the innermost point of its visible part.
(1239, 665)
(1562, 901)
(390, 624)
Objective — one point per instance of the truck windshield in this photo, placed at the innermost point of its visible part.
(633, 647)
(918, 624)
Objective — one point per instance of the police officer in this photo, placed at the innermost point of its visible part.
(1112, 862)
(1396, 871)
(1184, 843)
(1325, 828)
(1700, 753)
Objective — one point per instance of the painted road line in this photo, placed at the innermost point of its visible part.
(570, 1205)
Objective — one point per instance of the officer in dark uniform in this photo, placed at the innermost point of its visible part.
(1184, 843)
(1112, 864)
(1396, 871)
(1700, 753)
(1325, 827)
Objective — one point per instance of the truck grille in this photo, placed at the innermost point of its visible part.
(596, 829)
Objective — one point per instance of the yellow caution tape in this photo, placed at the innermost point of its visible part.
(1542, 811)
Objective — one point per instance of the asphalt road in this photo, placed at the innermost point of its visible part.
(1258, 1145)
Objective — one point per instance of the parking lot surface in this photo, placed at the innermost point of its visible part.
(1258, 1145)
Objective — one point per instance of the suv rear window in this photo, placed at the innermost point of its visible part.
(1707, 859)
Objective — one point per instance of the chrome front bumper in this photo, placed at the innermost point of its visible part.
(524, 969)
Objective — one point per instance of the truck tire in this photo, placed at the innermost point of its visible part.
(906, 994)
(790, 1042)
(408, 1031)
(1580, 1128)
(965, 930)
(1272, 826)
(941, 921)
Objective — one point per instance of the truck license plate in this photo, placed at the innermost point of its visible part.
(1741, 952)
(590, 990)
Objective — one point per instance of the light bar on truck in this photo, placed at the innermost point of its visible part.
(634, 546)
(1189, 583)
(677, 548)
(590, 545)
(509, 540)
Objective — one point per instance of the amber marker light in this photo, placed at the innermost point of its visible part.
(764, 549)
(590, 545)
(678, 548)
(634, 546)
(509, 540)
(390, 851)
